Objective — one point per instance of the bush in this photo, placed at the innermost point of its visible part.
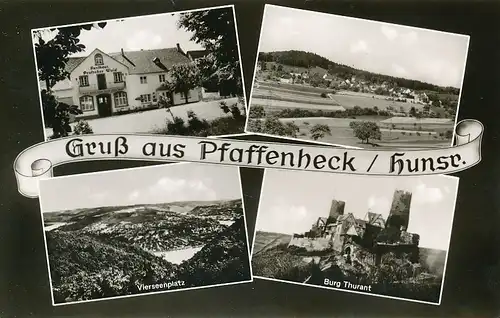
(319, 131)
(82, 127)
(324, 95)
(273, 126)
(195, 126)
(257, 111)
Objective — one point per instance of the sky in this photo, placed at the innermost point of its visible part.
(132, 34)
(292, 200)
(148, 185)
(408, 52)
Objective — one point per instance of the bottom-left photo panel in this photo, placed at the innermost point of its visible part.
(146, 230)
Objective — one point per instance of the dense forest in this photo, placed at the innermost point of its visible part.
(308, 60)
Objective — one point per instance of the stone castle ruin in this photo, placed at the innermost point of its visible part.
(345, 234)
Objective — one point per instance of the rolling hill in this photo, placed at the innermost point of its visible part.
(303, 59)
(266, 240)
(110, 251)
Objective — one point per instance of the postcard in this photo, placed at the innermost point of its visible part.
(144, 230)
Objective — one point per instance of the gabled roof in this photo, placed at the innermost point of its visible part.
(344, 217)
(73, 62)
(196, 54)
(373, 218)
(143, 60)
(322, 219)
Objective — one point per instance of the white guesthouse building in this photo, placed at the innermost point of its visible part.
(104, 84)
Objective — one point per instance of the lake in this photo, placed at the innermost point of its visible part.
(179, 256)
(54, 226)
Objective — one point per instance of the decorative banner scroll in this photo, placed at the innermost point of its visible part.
(37, 162)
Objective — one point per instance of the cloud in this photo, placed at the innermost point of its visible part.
(399, 69)
(359, 47)
(144, 39)
(427, 195)
(390, 33)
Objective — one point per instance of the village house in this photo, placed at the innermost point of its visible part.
(103, 84)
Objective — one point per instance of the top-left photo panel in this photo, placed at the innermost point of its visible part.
(176, 73)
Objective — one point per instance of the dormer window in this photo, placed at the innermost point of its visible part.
(98, 59)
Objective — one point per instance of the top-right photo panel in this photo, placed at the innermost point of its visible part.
(352, 82)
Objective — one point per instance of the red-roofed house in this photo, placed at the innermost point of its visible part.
(103, 84)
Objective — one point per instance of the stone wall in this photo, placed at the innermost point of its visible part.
(311, 244)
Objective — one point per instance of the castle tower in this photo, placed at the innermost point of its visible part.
(400, 210)
(336, 209)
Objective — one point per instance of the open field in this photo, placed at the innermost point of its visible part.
(311, 95)
(262, 93)
(266, 240)
(342, 134)
(277, 104)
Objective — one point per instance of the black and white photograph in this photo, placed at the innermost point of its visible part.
(383, 236)
(144, 230)
(353, 82)
(172, 73)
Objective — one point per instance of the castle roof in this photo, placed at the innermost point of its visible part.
(374, 218)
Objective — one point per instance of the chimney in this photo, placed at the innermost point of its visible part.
(126, 58)
(180, 50)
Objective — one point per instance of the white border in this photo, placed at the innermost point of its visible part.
(359, 292)
(150, 293)
(358, 19)
(138, 17)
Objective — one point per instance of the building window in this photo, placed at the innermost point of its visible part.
(98, 59)
(121, 99)
(162, 78)
(144, 80)
(84, 80)
(118, 76)
(145, 98)
(86, 103)
(184, 96)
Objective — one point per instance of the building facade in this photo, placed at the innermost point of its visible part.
(104, 84)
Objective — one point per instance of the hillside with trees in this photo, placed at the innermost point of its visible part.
(111, 251)
(309, 60)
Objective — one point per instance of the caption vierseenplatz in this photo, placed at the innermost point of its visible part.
(255, 154)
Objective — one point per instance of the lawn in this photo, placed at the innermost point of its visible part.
(342, 134)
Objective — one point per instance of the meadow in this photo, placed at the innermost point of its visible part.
(342, 134)
(307, 95)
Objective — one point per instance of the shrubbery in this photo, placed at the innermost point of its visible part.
(82, 127)
(235, 123)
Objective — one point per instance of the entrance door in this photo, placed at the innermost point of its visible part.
(101, 81)
(104, 105)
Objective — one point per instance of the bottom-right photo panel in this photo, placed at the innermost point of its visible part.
(382, 236)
